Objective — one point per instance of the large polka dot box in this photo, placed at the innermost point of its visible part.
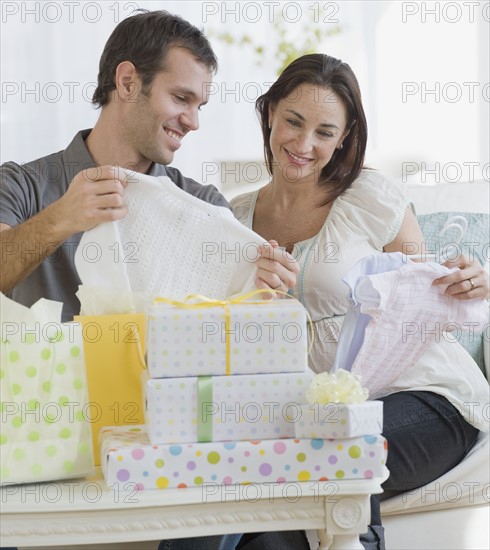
(339, 421)
(244, 338)
(129, 460)
(223, 408)
(45, 430)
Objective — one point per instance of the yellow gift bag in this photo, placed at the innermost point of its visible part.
(114, 347)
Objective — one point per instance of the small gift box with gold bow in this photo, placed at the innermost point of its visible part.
(214, 337)
(338, 409)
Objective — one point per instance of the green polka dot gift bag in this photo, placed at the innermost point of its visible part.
(44, 431)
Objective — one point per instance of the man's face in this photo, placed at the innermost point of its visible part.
(156, 122)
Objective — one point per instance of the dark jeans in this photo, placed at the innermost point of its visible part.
(426, 436)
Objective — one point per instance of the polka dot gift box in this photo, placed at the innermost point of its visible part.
(243, 338)
(340, 421)
(130, 460)
(338, 408)
(44, 433)
(223, 408)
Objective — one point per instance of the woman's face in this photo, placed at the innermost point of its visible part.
(306, 128)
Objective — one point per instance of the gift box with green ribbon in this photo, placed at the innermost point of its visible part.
(223, 408)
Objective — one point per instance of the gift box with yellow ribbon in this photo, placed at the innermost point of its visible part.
(223, 408)
(213, 337)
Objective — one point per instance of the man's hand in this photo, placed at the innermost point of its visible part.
(276, 269)
(94, 196)
(470, 282)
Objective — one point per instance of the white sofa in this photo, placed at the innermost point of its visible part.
(453, 512)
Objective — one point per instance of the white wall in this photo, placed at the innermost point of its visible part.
(50, 52)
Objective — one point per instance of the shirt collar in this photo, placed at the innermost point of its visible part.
(77, 158)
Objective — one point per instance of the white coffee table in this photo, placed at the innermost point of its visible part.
(86, 511)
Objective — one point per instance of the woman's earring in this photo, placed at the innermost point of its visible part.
(341, 146)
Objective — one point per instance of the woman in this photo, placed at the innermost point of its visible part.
(328, 212)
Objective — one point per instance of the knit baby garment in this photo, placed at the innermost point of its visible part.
(170, 244)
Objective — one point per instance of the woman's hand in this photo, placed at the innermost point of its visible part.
(276, 269)
(471, 281)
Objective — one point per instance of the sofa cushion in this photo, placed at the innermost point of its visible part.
(465, 485)
(448, 197)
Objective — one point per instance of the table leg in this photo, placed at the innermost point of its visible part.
(325, 540)
(346, 517)
(346, 542)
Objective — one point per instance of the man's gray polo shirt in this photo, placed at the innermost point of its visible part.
(27, 189)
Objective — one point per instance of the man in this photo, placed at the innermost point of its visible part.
(153, 76)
